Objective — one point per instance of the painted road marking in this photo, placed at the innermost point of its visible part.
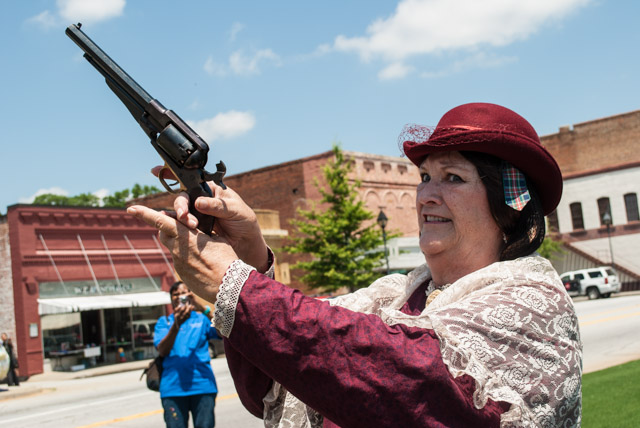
(67, 409)
(143, 415)
(619, 317)
(80, 406)
(617, 310)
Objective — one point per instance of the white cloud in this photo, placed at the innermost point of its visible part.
(213, 68)
(45, 20)
(477, 60)
(224, 125)
(241, 64)
(85, 11)
(52, 190)
(246, 65)
(396, 70)
(102, 193)
(90, 10)
(236, 27)
(419, 27)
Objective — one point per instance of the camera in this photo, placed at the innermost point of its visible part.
(183, 299)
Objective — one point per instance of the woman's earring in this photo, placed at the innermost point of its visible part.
(504, 237)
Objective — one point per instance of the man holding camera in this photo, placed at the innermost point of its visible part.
(187, 383)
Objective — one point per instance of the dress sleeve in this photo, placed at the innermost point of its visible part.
(350, 367)
(250, 382)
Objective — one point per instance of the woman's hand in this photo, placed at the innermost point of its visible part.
(235, 221)
(182, 312)
(200, 260)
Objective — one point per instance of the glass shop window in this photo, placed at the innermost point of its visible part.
(144, 323)
(61, 333)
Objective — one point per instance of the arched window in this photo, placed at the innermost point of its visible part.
(631, 204)
(604, 207)
(576, 216)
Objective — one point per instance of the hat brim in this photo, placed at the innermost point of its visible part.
(527, 155)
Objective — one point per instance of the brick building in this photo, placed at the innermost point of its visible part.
(600, 163)
(75, 284)
(387, 183)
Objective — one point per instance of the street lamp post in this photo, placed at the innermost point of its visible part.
(382, 221)
(606, 219)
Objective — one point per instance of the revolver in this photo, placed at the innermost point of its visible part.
(182, 149)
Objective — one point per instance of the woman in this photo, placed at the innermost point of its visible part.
(12, 375)
(188, 384)
(483, 334)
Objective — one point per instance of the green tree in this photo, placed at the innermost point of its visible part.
(345, 253)
(550, 248)
(81, 200)
(117, 200)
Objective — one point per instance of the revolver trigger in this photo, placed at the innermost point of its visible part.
(172, 187)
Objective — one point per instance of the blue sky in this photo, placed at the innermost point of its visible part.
(268, 82)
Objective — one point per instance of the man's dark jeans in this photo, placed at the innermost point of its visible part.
(176, 411)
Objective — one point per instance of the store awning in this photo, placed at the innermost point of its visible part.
(79, 304)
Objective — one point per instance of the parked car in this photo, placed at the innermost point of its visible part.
(593, 282)
(571, 285)
(143, 332)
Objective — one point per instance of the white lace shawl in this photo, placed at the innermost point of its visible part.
(511, 326)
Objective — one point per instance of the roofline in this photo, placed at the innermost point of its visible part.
(597, 171)
(326, 154)
(588, 122)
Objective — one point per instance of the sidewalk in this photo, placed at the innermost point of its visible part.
(38, 383)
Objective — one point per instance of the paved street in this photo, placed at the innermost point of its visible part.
(609, 329)
(115, 400)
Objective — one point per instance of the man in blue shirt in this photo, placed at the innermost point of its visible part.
(187, 383)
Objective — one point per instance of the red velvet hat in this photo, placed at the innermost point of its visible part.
(492, 129)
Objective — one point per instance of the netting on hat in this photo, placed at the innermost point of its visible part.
(414, 132)
(420, 134)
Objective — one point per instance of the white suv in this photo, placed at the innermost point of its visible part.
(594, 282)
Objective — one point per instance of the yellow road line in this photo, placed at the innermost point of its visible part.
(126, 418)
(143, 415)
(619, 317)
(597, 314)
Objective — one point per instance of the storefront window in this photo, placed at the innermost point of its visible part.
(118, 334)
(144, 323)
(61, 333)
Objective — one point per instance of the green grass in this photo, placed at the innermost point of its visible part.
(611, 397)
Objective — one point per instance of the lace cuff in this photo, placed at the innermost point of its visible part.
(228, 296)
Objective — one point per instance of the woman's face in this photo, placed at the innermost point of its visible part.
(181, 290)
(453, 212)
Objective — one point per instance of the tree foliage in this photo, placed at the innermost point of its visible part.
(345, 253)
(117, 200)
(550, 248)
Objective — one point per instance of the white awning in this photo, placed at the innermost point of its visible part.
(147, 299)
(79, 304)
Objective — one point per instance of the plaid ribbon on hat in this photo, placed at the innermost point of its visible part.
(516, 193)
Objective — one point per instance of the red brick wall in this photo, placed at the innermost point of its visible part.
(60, 227)
(596, 144)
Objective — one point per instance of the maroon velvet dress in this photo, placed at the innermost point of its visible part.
(350, 367)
